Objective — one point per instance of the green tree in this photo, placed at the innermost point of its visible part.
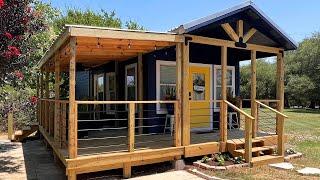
(266, 80)
(91, 18)
(304, 64)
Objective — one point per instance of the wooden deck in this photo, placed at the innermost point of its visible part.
(89, 146)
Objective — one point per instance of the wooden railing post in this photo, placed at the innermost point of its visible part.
(280, 133)
(10, 125)
(248, 140)
(131, 127)
(177, 125)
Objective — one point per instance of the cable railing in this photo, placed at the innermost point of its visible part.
(271, 122)
(135, 125)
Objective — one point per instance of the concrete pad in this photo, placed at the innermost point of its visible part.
(309, 171)
(284, 165)
(176, 175)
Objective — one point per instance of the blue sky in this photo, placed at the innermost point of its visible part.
(298, 18)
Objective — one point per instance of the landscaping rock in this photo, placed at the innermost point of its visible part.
(179, 164)
(284, 165)
(309, 171)
(292, 156)
(203, 175)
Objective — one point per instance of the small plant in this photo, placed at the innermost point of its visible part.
(205, 159)
(238, 160)
(291, 151)
(219, 158)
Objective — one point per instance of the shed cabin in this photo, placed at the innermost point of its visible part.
(123, 98)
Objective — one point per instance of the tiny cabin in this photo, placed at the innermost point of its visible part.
(124, 98)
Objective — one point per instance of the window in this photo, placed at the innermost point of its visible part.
(99, 91)
(110, 92)
(166, 83)
(217, 83)
(131, 82)
(99, 87)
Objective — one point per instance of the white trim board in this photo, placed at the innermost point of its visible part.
(215, 67)
(133, 65)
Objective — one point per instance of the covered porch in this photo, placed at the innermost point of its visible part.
(126, 137)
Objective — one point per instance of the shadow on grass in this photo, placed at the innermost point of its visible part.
(303, 111)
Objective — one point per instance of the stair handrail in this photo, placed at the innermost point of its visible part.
(271, 109)
(239, 110)
(248, 131)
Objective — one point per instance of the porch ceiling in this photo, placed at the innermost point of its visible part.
(96, 46)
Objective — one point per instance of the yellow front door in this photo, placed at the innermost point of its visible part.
(199, 95)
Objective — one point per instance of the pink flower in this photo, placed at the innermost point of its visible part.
(14, 50)
(34, 100)
(11, 52)
(19, 75)
(7, 34)
(1, 3)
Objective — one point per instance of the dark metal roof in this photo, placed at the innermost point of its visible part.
(252, 15)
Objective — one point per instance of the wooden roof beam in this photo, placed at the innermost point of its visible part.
(240, 28)
(229, 30)
(249, 34)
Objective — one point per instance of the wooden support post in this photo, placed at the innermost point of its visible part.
(131, 118)
(46, 95)
(127, 170)
(185, 95)
(280, 104)
(64, 125)
(72, 175)
(41, 105)
(57, 120)
(177, 105)
(248, 140)
(38, 94)
(10, 126)
(223, 106)
(254, 92)
(73, 109)
(140, 92)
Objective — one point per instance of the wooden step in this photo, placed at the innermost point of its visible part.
(242, 141)
(255, 151)
(267, 159)
(235, 144)
(20, 135)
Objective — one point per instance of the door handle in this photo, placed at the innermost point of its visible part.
(190, 96)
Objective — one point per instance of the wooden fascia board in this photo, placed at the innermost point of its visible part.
(229, 30)
(231, 44)
(116, 34)
(55, 47)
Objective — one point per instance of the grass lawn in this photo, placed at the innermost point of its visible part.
(303, 130)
